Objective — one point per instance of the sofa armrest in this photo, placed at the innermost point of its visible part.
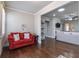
(10, 38)
(32, 37)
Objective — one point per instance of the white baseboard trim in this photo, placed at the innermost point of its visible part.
(51, 36)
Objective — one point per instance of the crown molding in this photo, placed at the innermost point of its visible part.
(19, 10)
(51, 6)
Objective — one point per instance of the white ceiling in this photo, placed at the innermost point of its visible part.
(27, 6)
(70, 8)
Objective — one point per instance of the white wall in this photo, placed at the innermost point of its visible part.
(16, 19)
(1, 36)
(76, 25)
(0, 29)
(37, 26)
(50, 7)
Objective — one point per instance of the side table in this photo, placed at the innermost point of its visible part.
(36, 39)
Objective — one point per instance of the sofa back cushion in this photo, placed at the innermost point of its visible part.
(16, 37)
(21, 34)
(26, 35)
(12, 33)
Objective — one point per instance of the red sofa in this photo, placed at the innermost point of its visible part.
(21, 42)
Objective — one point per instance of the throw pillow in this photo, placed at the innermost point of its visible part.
(26, 35)
(16, 37)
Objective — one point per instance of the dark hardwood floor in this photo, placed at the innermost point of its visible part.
(50, 48)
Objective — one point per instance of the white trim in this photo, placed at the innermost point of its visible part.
(52, 6)
(19, 10)
(50, 36)
(38, 0)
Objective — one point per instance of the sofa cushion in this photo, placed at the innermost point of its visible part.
(12, 33)
(26, 35)
(21, 34)
(24, 41)
(18, 42)
(16, 37)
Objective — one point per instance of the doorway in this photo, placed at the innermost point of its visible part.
(46, 27)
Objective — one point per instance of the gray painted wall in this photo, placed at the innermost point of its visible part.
(76, 24)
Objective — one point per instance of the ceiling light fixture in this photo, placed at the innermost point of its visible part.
(61, 9)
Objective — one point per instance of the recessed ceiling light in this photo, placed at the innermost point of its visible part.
(61, 9)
